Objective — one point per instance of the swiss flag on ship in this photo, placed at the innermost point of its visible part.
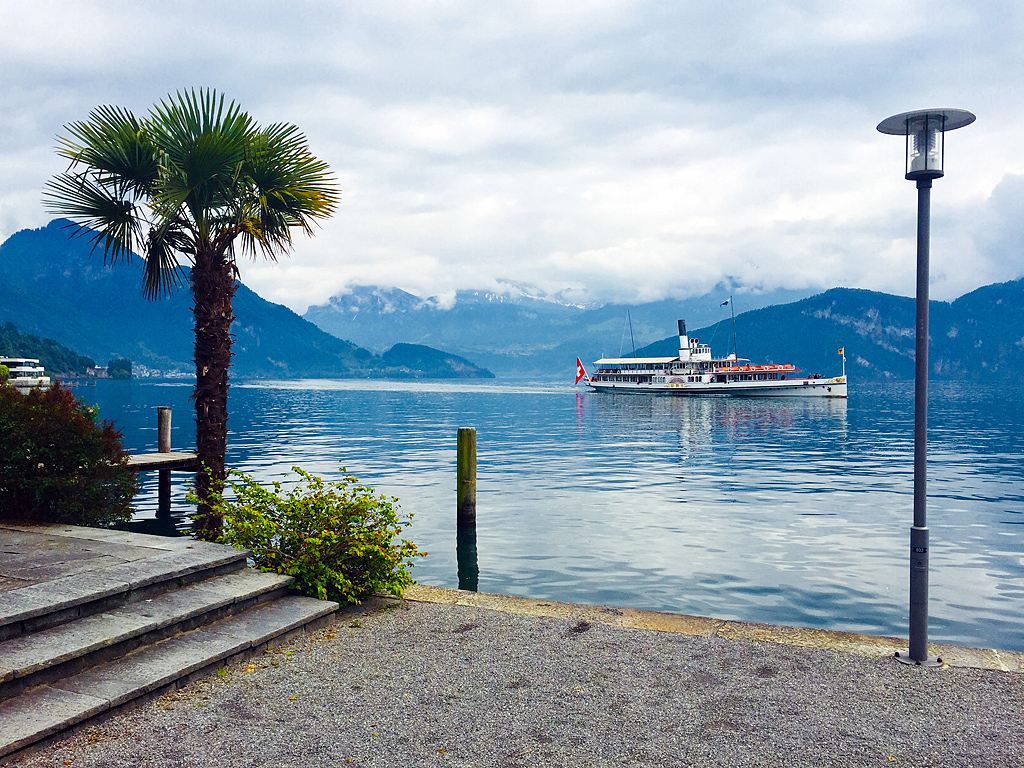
(580, 373)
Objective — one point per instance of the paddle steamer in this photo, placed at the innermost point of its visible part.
(695, 371)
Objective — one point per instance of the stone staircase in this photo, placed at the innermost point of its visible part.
(91, 620)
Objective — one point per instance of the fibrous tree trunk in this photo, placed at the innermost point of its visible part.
(213, 286)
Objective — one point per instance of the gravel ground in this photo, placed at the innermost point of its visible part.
(420, 684)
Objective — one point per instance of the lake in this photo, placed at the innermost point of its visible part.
(787, 511)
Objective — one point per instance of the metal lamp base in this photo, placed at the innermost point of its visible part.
(904, 658)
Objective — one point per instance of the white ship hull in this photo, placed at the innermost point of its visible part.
(834, 387)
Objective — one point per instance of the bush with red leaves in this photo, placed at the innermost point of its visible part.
(57, 464)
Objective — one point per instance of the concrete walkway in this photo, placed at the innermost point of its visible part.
(452, 678)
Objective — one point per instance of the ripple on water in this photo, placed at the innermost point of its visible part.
(784, 511)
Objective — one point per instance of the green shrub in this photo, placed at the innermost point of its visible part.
(4, 373)
(339, 540)
(57, 465)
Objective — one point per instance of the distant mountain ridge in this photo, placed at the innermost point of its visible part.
(52, 287)
(56, 287)
(978, 336)
(57, 359)
(514, 334)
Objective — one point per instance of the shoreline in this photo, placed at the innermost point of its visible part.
(875, 646)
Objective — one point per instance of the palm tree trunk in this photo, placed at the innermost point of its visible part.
(213, 286)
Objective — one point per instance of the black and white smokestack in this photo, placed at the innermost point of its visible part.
(682, 327)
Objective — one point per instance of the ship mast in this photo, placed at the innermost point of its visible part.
(735, 346)
(631, 339)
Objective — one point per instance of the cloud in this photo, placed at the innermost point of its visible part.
(619, 150)
(994, 247)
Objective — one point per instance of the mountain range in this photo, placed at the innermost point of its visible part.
(979, 335)
(515, 333)
(56, 287)
(52, 287)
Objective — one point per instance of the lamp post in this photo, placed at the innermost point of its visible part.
(924, 131)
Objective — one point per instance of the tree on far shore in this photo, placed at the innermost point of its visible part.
(195, 180)
(119, 369)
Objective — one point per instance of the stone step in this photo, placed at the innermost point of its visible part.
(162, 565)
(66, 649)
(44, 711)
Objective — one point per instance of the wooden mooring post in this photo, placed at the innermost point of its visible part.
(467, 477)
(465, 542)
(163, 428)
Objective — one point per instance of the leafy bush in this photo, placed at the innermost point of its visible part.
(57, 465)
(339, 539)
(4, 373)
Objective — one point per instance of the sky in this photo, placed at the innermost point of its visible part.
(603, 151)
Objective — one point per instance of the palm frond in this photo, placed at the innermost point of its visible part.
(99, 214)
(291, 189)
(113, 144)
(163, 274)
(202, 141)
(196, 173)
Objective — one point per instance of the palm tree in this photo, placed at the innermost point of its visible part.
(195, 180)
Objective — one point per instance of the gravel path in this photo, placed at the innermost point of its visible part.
(421, 684)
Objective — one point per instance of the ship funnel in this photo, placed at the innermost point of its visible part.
(684, 342)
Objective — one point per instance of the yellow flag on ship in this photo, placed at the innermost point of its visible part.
(842, 351)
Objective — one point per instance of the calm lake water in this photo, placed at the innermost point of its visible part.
(772, 510)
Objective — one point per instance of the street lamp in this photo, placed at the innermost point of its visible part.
(924, 131)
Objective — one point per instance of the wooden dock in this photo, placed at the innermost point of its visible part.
(179, 460)
(164, 460)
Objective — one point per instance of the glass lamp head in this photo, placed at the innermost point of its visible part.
(924, 132)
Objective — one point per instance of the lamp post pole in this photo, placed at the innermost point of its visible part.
(919, 531)
(924, 131)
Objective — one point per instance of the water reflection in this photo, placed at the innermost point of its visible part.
(466, 557)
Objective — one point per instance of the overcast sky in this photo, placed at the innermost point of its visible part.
(599, 151)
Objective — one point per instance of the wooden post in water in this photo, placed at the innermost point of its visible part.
(163, 428)
(467, 477)
(465, 541)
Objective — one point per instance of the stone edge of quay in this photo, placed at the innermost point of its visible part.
(634, 618)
